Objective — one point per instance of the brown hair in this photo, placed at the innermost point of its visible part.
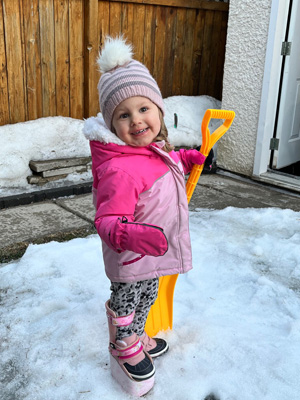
(163, 134)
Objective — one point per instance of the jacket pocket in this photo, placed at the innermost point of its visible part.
(124, 263)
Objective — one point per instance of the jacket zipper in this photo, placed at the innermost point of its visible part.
(124, 220)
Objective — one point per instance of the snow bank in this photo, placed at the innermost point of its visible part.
(42, 139)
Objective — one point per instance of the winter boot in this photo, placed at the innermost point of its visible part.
(154, 346)
(131, 367)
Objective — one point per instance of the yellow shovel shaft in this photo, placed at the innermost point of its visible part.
(160, 317)
(193, 180)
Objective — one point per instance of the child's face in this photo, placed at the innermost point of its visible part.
(136, 121)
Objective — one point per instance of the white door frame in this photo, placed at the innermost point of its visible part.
(271, 79)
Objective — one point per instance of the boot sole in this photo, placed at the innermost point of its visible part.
(158, 354)
(133, 387)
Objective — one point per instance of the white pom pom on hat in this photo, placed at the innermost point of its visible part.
(123, 77)
(116, 53)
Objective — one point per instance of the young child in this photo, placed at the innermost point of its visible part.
(141, 206)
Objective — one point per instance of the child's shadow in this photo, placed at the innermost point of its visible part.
(211, 396)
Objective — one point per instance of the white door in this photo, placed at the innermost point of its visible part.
(288, 128)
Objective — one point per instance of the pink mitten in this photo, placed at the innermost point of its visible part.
(195, 157)
(140, 238)
(189, 158)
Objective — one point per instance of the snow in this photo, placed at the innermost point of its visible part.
(190, 111)
(59, 137)
(236, 330)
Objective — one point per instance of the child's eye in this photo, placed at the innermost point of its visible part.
(144, 109)
(123, 116)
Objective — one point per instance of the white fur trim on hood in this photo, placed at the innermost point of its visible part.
(94, 128)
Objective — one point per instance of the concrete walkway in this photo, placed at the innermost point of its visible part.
(64, 218)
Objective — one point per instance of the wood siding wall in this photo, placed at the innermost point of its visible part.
(48, 51)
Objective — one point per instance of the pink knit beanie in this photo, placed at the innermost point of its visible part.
(122, 77)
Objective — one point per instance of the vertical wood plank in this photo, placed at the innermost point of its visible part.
(115, 10)
(158, 68)
(48, 57)
(4, 109)
(169, 49)
(62, 61)
(178, 52)
(214, 54)
(149, 37)
(103, 21)
(138, 31)
(90, 56)
(187, 86)
(32, 59)
(104, 26)
(127, 21)
(218, 83)
(197, 51)
(205, 62)
(21, 8)
(76, 32)
(15, 73)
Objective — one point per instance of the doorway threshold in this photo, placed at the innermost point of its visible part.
(286, 181)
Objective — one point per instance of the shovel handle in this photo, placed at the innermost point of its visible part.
(208, 141)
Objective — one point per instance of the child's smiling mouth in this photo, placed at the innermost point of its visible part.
(140, 132)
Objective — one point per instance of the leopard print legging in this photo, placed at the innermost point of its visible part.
(127, 297)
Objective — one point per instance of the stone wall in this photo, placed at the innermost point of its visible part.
(242, 84)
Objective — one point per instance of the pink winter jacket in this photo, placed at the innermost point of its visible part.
(145, 185)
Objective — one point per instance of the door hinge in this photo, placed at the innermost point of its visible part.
(274, 144)
(286, 48)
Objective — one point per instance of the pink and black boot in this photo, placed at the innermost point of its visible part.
(130, 365)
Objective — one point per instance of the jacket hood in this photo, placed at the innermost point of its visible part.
(94, 128)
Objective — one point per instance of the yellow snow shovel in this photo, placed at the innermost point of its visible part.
(160, 317)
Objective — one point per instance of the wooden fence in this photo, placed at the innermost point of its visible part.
(48, 51)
